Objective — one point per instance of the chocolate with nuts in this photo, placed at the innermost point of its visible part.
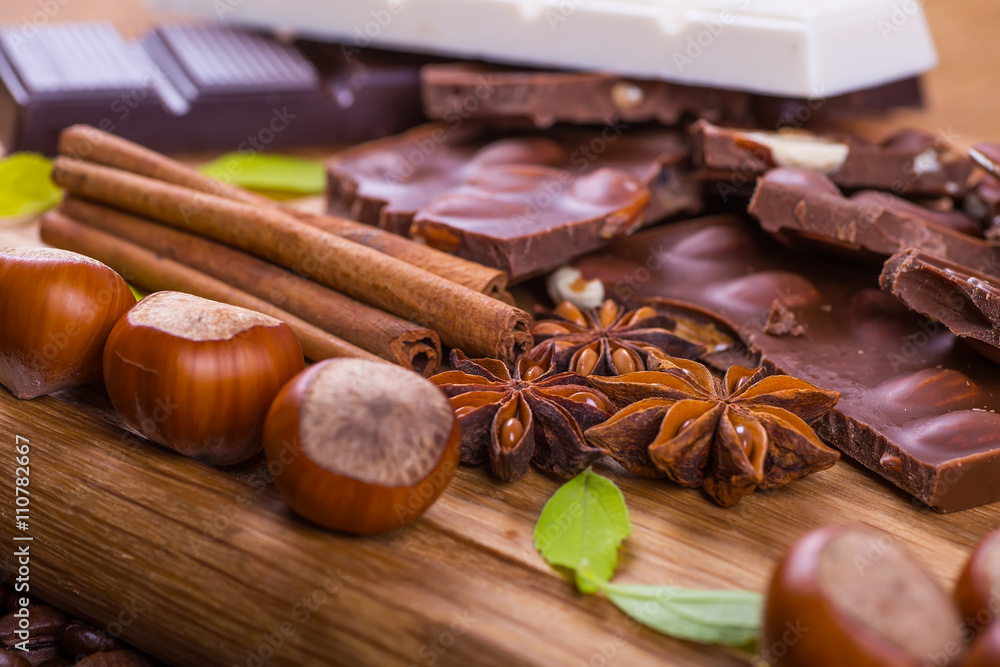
(909, 162)
(508, 95)
(918, 406)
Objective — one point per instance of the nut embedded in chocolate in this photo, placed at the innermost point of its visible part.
(508, 95)
(908, 162)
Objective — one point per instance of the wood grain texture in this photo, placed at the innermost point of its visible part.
(200, 566)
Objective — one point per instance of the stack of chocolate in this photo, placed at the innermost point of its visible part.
(914, 360)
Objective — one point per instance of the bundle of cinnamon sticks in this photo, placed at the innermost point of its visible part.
(345, 288)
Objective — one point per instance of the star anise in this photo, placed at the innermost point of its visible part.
(607, 340)
(730, 436)
(536, 416)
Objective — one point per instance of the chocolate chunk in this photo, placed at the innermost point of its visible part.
(807, 205)
(918, 406)
(909, 162)
(798, 112)
(966, 302)
(198, 87)
(521, 204)
(455, 92)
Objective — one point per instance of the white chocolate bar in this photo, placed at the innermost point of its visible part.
(792, 48)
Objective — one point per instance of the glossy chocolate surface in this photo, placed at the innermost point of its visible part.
(523, 203)
(918, 406)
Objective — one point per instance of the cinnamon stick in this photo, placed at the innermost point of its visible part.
(475, 323)
(145, 269)
(89, 143)
(388, 336)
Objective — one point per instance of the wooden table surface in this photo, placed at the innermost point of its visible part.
(203, 567)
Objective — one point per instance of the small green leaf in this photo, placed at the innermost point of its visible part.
(727, 617)
(136, 292)
(26, 185)
(263, 171)
(581, 528)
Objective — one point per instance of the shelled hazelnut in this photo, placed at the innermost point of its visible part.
(57, 309)
(363, 447)
(198, 376)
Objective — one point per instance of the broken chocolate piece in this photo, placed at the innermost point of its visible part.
(199, 87)
(521, 204)
(908, 162)
(458, 91)
(918, 406)
(807, 205)
(966, 302)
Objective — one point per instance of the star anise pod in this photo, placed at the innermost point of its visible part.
(730, 436)
(607, 340)
(537, 415)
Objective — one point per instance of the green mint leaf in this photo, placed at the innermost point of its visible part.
(581, 528)
(26, 186)
(263, 171)
(727, 617)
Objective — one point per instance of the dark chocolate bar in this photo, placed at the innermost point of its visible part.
(199, 87)
(455, 92)
(909, 162)
(522, 204)
(966, 302)
(807, 205)
(918, 406)
(776, 112)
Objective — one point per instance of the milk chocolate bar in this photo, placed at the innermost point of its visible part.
(909, 162)
(456, 91)
(807, 205)
(499, 95)
(966, 302)
(918, 406)
(198, 87)
(523, 204)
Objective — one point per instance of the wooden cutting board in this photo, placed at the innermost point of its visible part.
(201, 566)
